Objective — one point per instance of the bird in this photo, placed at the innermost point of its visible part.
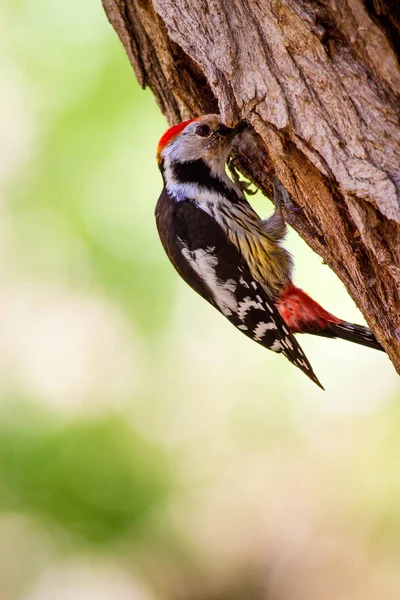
(230, 256)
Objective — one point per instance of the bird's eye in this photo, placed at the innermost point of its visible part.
(203, 130)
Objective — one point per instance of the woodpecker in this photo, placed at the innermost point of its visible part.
(219, 245)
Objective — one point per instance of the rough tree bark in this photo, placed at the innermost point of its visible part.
(319, 81)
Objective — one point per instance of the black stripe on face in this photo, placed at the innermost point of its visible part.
(196, 171)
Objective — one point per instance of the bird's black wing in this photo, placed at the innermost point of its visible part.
(210, 264)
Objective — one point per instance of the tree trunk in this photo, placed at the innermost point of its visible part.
(320, 84)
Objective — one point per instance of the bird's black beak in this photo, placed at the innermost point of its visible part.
(225, 131)
(241, 126)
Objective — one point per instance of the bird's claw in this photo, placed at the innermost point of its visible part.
(282, 197)
(243, 185)
(295, 209)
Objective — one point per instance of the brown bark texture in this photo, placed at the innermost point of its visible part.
(319, 82)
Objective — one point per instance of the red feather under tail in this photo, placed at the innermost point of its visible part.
(303, 315)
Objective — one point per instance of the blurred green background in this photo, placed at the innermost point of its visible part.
(147, 450)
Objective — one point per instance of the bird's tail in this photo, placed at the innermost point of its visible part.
(352, 333)
(303, 315)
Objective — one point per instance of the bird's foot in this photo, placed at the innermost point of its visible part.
(282, 197)
(243, 185)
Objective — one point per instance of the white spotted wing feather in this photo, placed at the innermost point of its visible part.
(211, 264)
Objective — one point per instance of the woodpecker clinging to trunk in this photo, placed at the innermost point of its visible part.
(227, 254)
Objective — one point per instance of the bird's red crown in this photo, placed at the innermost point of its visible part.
(171, 134)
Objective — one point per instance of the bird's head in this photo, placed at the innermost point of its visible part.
(205, 138)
